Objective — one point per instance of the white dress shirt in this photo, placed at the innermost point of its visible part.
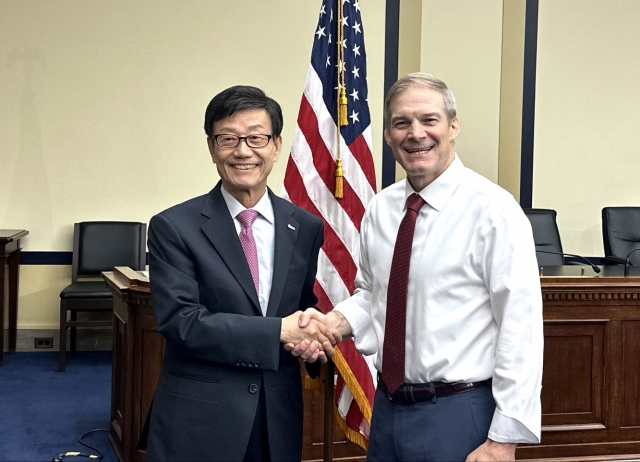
(264, 235)
(474, 305)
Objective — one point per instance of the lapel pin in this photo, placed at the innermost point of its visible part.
(291, 227)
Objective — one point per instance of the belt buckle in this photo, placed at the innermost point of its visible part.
(406, 394)
(431, 389)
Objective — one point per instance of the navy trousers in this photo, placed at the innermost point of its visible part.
(444, 430)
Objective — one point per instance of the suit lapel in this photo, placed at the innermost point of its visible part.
(286, 233)
(221, 232)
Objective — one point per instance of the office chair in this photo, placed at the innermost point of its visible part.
(621, 234)
(97, 246)
(545, 235)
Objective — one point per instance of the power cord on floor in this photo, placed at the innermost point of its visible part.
(97, 456)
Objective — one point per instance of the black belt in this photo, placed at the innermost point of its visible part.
(416, 392)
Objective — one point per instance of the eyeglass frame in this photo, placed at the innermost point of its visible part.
(241, 138)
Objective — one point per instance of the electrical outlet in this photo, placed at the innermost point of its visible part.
(43, 342)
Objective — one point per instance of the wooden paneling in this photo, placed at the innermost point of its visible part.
(117, 374)
(591, 377)
(590, 385)
(313, 431)
(138, 349)
(630, 412)
(573, 380)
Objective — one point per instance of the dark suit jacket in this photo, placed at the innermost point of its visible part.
(220, 349)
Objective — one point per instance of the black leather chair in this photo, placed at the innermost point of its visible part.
(545, 235)
(97, 246)
(621, 234)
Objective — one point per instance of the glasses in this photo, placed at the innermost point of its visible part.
(225, 140)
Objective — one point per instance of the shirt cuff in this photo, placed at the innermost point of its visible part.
(364, 335)
(508, 430)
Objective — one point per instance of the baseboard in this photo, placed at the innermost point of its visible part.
(88, 339)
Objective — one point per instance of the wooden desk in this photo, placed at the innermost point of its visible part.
(10, 256)
(590, 385)
(591, 376)
(138, 350)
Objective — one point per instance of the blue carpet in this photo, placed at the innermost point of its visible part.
(44, 411)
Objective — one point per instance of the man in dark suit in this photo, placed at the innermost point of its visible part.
(227, 293)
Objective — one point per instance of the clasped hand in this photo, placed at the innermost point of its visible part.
(310, 335)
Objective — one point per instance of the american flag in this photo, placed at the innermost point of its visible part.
(310, 182)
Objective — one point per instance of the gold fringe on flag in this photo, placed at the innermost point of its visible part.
(351, 434)
(361, 399)
(351, 382)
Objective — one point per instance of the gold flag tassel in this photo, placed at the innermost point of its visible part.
(342, 104)
(342, 89)
(339, 191)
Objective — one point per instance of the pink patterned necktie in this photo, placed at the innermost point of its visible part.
(247, 217)
(395, 325)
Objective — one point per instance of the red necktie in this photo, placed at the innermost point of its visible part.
(395, 325)
(247, 217)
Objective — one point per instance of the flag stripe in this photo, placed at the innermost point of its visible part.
(309, 184)
(329, 278)
(325, 165)
(333, 246)
(362, 184)
(362, 154)
(323, 300)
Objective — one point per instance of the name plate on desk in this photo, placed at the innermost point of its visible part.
(124, 277)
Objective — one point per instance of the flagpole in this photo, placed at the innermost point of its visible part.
(328, 411)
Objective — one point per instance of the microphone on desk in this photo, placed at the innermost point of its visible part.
(627, 262)
(579, 257)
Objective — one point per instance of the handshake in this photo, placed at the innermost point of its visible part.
(312, 335)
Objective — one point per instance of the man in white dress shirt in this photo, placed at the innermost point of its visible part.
(473, 343)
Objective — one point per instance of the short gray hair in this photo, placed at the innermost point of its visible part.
(420, 80)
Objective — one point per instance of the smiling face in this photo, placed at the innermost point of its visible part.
(420, 136)
(244, 170)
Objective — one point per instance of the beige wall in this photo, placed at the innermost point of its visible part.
(409, 46)
(587, 115)
(587, 99)
(461, 44)
(104, 100)
(512, 73)
(39, 303)
(103, 104)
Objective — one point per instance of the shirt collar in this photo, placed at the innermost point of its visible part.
(263, 207)
(438, 192)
